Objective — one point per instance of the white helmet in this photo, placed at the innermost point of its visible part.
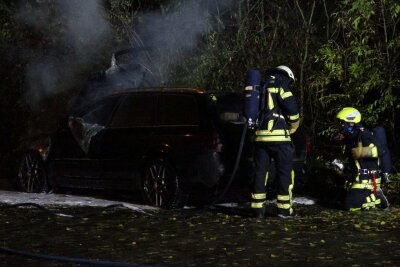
(288, 71)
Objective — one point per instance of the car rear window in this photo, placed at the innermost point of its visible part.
(179, 110)
(135, 110)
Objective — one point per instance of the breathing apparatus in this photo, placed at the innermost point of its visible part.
(255, 90)
(252, 91)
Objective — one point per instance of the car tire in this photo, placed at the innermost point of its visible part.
(32, 176)
(159, 184)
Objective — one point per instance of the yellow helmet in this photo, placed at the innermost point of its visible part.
(349, 114)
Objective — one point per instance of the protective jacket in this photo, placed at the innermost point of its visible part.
(280, 115)
(363, 190)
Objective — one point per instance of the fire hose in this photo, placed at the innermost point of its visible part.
(231, 178)
(235, 168)
(74, 260)
(91, 262)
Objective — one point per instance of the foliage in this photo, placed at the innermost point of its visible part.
(359, 62)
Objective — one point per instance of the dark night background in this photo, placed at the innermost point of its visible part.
(343, 53)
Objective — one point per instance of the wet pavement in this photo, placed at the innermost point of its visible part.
(222, 236)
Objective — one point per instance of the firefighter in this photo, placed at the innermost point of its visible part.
(363, 191)
(277, 119)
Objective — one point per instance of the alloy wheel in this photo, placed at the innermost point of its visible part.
(160, 183)
(31, 173)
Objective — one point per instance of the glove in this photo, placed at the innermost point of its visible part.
(338, 164)
(293, 126)
(360, 152)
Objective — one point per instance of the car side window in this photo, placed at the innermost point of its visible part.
(135, 110)
(179, 110)
(100, 113)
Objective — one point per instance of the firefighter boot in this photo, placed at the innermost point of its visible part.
(259, 212)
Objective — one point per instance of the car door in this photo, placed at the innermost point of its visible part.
(75, 154)
(127, 139)
(179, 128)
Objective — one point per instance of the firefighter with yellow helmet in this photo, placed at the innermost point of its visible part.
(363, 191)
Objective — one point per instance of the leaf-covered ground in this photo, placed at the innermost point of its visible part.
(222, 237)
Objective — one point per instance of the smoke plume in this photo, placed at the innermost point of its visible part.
(80, 29)
(160, 39)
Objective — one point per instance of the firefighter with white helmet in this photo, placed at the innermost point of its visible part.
(363, 191)
(275, 110)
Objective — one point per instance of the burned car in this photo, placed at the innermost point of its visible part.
(126, 133)
(156, 142)
(153, 140)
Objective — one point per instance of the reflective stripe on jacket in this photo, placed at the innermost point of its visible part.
(280, 108)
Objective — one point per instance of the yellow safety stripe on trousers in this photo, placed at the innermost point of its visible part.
(258, 196)
(354, 209)
(286, 198)
(365, 206)
(291, 187)
(257, 205)
(283, 197)
(368, 205)
(283, 206)
(373, 197)
(248, 87)
(266, 179)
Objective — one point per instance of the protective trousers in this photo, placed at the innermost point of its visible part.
(282, 154)
(361, 196)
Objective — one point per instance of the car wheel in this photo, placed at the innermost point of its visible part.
(31, 173)
(159, 184)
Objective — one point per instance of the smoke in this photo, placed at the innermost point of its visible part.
(160, 40)
(80, 30)
(169, 35)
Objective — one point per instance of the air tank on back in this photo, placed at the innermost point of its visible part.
(252, 95)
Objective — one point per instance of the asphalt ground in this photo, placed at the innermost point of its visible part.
(221, 236)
